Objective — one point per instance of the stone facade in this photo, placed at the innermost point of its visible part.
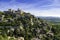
(20, 38)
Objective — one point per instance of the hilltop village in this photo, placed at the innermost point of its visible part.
(19, 25)
(10, 13)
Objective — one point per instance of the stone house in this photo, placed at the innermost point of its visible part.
(20, 38)
(1, 18)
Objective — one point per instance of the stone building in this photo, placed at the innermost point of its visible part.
(20, 38)
(1, 18)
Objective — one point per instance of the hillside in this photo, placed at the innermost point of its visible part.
(19, 25)
(55, 22)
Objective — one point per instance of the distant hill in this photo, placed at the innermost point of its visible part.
(51, 19)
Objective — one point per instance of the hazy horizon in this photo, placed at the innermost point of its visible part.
(36, 7)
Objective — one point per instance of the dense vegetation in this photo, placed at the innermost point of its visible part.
(55, 22)
(15, 24)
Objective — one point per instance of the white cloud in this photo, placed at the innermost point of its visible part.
(50, 12)
(52, 9)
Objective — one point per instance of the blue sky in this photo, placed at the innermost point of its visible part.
(35, 7)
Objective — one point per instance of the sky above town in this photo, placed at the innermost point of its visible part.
(35, 7)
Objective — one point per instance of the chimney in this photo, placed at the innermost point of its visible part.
(9, 10)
